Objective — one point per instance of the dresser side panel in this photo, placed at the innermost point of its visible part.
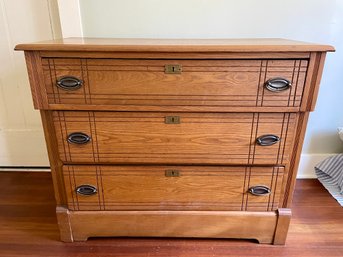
(55, 163)
(294, 162)
(36, 79)
(312, 82)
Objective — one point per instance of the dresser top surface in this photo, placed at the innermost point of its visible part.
(174, 45)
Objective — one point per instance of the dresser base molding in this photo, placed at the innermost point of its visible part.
(265, 227)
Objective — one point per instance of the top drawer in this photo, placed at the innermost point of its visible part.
(178, 83)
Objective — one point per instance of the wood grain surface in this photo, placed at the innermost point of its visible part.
(203, 224)
(29, 228)
(200, 138)
(195, 188)
(227, 83)
(175, 45)
(55, 162)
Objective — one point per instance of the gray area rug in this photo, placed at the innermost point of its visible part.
(330, 174)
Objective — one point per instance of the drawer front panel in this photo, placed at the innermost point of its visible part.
(173, 188)
(230, 83)
(198, 138)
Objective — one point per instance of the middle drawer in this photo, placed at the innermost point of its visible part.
(175, 138)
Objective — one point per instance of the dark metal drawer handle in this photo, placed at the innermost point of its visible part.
(78, 138)
(259, 190)
(267, 140)
(277, 84)
(69, 83)
(86, 190)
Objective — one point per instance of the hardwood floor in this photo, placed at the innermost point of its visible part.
(28, 227)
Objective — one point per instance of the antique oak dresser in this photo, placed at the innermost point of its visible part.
(174, 138)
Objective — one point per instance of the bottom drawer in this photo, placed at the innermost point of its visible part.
(173, 188)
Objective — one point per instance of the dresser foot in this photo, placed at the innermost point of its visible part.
(282, 225)
(63, 220)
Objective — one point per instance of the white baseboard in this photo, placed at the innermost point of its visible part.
(23, 147)
(307, 163)
(25, 169)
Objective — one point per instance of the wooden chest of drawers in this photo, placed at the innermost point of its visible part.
(181, 138)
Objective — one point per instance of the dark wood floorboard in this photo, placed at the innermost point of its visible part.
(28, 227)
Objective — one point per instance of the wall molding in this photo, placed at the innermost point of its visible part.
(54, 17)
(70, 18)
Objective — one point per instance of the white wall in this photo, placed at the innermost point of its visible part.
(21, 134)
(318, 21)
(309, 20)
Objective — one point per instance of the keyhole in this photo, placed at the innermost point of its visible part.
(172, 120)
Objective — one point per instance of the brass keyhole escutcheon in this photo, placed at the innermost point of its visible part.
(172, 68)
(172, 173)
(172, 120)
